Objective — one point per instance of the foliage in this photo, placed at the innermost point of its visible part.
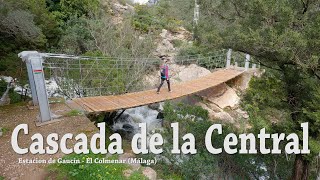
(86, 171)
(177, 43)
(24, 25)
(209, 59)
(14, 96)
(73, 112)
(278, 32)
(180, 10)
(195, 120)
(70, 27)
(76, 39)
(4, 130)
(266, 103)
(283, 36)
(70, 8)
(119, 40)
(150, 19)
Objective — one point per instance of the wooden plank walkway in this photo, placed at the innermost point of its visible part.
(136, 99)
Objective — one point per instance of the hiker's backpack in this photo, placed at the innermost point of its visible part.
(163, 72)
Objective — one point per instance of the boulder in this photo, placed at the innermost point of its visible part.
(165, 47)
(163, 33)
(126, 157)
(154, 106)
(227, 99)
(187, 73)
(150, 173)
(127, 173)
(224, 116)
(220, 115)
(242, 113)
(177, 73)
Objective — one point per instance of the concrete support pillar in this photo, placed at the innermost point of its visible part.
(229, 58)
(247, 63)
(32, 85)
(34, 61)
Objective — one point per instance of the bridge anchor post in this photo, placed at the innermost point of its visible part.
(228, 59)
(34, 60)
(247, 63)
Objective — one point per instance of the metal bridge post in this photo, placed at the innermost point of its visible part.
(32, 85)
(246, 66)
(34, 61)
(254, 66)
(229, 58)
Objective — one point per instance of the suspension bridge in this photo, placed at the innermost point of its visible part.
(107, 84)
(135, 99)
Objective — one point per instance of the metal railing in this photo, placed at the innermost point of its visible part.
(83, 76)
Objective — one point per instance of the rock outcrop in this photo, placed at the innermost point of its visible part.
(178, 73)
(228, 99)
(217, 114)
(165, 45)
(5, 99)
(149, 173)
(127, 157)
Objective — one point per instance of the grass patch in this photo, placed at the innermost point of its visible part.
(73, 112)
(55, 100)
(4, 130)
(137, 175)
(90, 171)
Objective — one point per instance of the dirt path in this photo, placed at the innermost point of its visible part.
(13, 115)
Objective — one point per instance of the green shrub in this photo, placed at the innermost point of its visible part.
(122, 2)
(4, 130)
(195, 120)
(154, 18)
(137, 175)
(177, 43)
(14, 96)
(90, 171)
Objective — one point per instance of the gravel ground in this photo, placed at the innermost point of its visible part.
(13, 115)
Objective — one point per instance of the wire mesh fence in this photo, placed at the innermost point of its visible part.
(210, 61)
(83, 76)
(88, 76)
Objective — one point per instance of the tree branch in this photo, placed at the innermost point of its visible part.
(305, 6)
(237, 10)
(316, 74)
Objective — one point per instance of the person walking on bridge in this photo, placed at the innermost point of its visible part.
(164, 74)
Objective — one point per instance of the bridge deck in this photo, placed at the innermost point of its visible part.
(130, 100)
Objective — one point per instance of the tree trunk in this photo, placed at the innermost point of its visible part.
(300, 169)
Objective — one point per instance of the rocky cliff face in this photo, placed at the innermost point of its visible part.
(165, 45)
(178, 73)
(223, 101)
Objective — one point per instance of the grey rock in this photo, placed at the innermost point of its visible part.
(127, 157)
(154, 106)
(150, 173)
